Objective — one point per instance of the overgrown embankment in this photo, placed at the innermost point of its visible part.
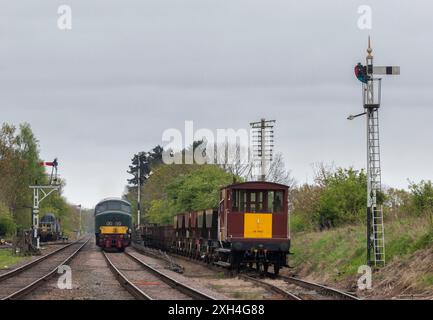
(334, 256)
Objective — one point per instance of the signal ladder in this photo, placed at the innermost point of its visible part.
(377, 234)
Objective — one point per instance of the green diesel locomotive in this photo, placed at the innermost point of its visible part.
(113, 223)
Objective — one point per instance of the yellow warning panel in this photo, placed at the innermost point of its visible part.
(258, 225)
(113, 230)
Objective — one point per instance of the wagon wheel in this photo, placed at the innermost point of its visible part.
(235, 261)
(265, 267)
(276, 269)
(260, 267)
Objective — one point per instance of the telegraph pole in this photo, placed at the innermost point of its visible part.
(371, 92)
(141, 162)
(79, 230)
(138, 191)
(263, 144)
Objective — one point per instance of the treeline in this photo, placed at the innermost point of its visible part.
(175, 188)
(19, 168)
(338, 197)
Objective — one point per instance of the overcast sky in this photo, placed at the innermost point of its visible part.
(130, 69)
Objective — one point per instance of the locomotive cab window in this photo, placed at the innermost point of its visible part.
(113, 205)
(100, 208)
(125, 208)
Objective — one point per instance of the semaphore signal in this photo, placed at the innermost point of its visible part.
(371, 93)
(40, 192)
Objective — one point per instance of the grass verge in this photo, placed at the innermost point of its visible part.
(336, 254)
(8, 259)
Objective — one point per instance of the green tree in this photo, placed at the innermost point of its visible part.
(181, 188)
(7, 224)
(155, 188)
(305, 204)
(161, 211)
(398, 202)
(28, 172)
(146, 161)
(343, 198)
(423, 198)
(198, 189)
(19, 168)
(10, 166)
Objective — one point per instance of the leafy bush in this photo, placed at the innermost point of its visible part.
(299, 223)
(198, 189)
(338, 197)
(161, 211)
(181, 190)
(7, 224)
(343, 198)
(423, 198)
(305, 200)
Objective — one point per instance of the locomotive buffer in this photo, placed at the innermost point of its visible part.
(371, 92)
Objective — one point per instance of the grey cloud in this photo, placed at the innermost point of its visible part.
(130, 69)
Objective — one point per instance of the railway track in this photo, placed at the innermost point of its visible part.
(303, 290)
(53, 243)
(146, 282)
(161, 255)
(17, 283)
(286, 294)
(321, 290)
(297, 289)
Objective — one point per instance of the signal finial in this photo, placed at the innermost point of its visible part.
(369, 50)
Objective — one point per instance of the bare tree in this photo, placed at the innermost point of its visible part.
(230, 158)
(277, 172)
(232, 161)
(322, 173)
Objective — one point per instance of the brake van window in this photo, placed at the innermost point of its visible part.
(278, 201)
(256, 201)
(239, 200)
